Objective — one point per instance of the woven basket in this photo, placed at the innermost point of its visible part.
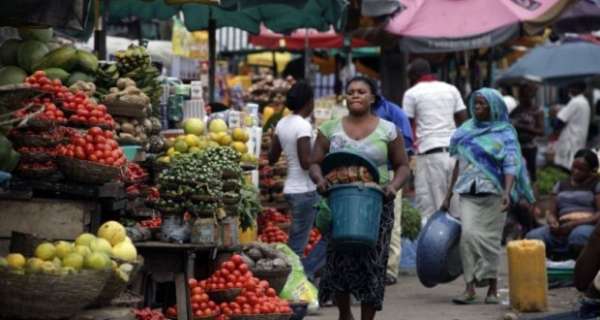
(30, 140)
(13, 95)
(120, 108)
(87, 171)
(36, 173)
(43, 296)
(36, 157)
(276, 278)
(226, 295)
(261, 317)
(87, 126)
(43, 124)
(115, 286)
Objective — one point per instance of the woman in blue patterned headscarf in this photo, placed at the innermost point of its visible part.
(489, 175)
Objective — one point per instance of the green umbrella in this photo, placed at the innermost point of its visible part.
(278, 15)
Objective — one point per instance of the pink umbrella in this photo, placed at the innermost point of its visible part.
(296, 40)
(453, 25)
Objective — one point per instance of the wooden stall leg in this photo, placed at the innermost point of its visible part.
(183, 297)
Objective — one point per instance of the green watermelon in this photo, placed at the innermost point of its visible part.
(12, 75)
(57, 73)
(10, 163)
(39, 34)
(8, 52)
(30, 54)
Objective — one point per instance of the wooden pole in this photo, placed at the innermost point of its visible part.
(212, 56)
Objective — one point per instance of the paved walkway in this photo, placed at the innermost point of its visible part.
(409, 300)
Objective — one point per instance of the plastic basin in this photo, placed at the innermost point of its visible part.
(130, 151)
(438, 254)
(355, 214)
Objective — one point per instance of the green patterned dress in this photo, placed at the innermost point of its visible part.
(362, 275)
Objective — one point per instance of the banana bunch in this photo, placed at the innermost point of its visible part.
(132, 58)
(106, 78)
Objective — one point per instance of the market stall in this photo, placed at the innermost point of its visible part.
(99, 192)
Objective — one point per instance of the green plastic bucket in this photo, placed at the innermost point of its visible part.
(355, 215)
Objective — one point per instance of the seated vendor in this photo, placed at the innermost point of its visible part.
(575, 208)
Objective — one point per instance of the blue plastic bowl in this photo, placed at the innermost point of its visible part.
(438, 254)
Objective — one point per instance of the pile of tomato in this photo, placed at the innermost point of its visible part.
(135, 172)
(50, 111)
(273, 234)
(273, 216)
(148, 314)
(97, 146)
(86, 112)
(313, 239)
(152, 223)
(202, 306)
(39, 80)
(255, 301)
(233, 273)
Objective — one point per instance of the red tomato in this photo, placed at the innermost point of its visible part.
(237, 259)
(196, 289)
(229, 265)
(200, 314)
(95, 131)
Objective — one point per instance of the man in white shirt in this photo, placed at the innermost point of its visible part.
(435, 108)
(572, 125)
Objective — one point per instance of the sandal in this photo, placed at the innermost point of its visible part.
(493, 299)
(465, 298)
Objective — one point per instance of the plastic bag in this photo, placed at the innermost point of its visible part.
(174, 229)
(323, 220)
(297, 286)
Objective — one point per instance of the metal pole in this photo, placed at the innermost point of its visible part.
(307, 54)
(212, 56)
(100, 19)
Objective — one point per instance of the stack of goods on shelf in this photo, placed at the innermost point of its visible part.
(265, 86)
(272, 178)
(209, 185)
(66, 130)
(195, 139)
(39, 132)
(64, 277)
(133, 63)
(275, 217)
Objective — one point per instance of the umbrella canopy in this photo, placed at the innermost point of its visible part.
(582, 17)
(430, 26)
(279, 16)
(556, 64)
(296, 40)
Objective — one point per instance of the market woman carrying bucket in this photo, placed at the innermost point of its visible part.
(378, 141)
(488, 175)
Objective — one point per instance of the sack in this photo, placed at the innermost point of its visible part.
(297, 286)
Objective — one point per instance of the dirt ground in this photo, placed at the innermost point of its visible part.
(410, 300)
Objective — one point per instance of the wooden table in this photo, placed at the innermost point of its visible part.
(178, 259)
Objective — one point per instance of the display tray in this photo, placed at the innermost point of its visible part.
(12, 96)
(125, 109)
